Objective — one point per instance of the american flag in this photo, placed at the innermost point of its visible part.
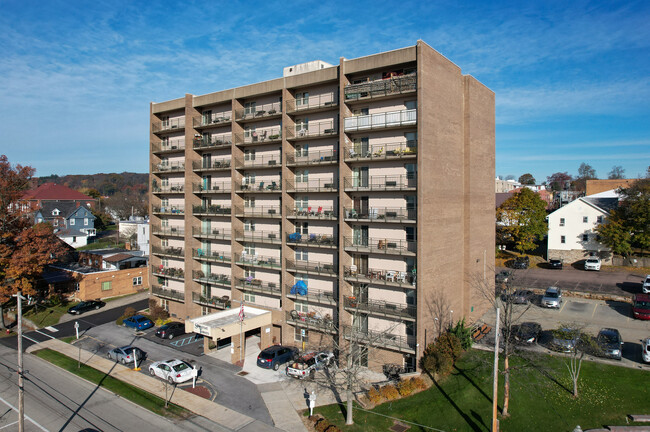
(241, 312)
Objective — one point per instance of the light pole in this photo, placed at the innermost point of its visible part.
(21, 390)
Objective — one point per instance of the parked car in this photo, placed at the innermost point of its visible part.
(646, 285)
(175, 371)
(86, 306)
(592, 263)
(521, 263)
(520, 296)
(555, 264)
(552, 297)
(526, 333)
(502, 276)
(645, 350)
(641, 306)
(138, 322)
(307, 365)
(273, 356)
(565, 339)
(125, 354)
(170, 330)
(610, 343)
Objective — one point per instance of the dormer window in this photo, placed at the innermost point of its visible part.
(55, 212)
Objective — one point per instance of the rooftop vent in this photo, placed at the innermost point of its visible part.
(305, 67)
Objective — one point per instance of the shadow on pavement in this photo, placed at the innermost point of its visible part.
(190, 343)
(622, 308)
(629, 287)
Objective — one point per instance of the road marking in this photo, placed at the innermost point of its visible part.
(33, 340)
(10, 424)
(594, 312)
(27, 417)
(562, 307)
(51, 329)
(44, 334)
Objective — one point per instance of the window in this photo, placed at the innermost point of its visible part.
(585, 219)
(562, 239)
(302, 254)
(301, 307)
(71, 221)
(302, 150)
(55, 212)
(302, 126)
(249, 298)
(302, 176)
(55, 222)
(599, 219)
(164, 304)
(585, 237)
(106, 286)
(561, 221)
(410, 105)
(249, 203)
(249, 131)
(249, 273)
(85, 221)
(249, 155)
(302, 227)
(249, 225)
(250, 249)
(298, 335)
(302, 99)
(205, 311)
(74, 239)
(164, 242)
(137, 281)
(250, 108)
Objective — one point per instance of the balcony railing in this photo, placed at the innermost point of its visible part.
(259, 111)
(212, 256)
(169, 189)
(401, 343)
(380, 88)
(168, 272)
(381, 120)
(382, 214)
(314, 295)
(211, 165)
(168, 125)
(312, 267)
(313, 185)
(385, 246)
(168, 146)
(396, 150)
(272, 237)
(211, 210)
(215, 118)
(216, 141)
(324, 100)
(257, 161)
(259, 211)
(211, 278)
(261, 187)
(257, 260)
(167, 231)
(169, 210)
(379, 307)
(322, 157)
(381, 183)
(168, 251)
(168, 167)
(310, 322)
(327, 213)
(216, 302)
(212, 233)
(214, 187)
(267, 135)
(379, 276)
(312, 130)
(311, 239)
(167, 293)
(257, 285)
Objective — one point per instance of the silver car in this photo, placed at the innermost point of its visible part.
(552, 298)
(125, 354)
(565, 339)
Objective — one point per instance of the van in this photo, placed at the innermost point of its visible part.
(641, 306)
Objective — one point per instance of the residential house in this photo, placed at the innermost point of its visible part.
(49, 192)
(137, 231)
(504, 186)
(73, 223)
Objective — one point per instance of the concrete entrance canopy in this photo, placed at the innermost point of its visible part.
(225, 324)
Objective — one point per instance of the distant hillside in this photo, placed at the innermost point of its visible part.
(106, 184)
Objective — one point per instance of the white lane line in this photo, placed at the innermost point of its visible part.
(51, 329)
(27, 417)
(33, 340)
(10, 424)
(44, 334)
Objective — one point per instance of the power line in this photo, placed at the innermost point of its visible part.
(398, 419)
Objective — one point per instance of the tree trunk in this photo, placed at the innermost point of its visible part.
(349, 420)
(575, 387)
(506, 386)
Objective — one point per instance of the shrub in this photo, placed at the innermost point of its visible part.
(333, 428)
(322, 425)
(157, 312)
(450, 345)
(129, 312)
(439, 357)
(463, 333)
(389, 392)
(419, 383)
(374, 396)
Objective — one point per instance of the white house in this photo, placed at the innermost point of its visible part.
(138, 227)
(572, 228)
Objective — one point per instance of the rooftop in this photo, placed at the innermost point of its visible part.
(52, 191)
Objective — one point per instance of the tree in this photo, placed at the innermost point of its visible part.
(559, 181)
(527, 179)
(578, 344)
(586, 172)
(523, 217)
(510, 177)
(617, 172)
(127, 202)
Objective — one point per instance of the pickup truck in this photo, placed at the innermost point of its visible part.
(308, 364)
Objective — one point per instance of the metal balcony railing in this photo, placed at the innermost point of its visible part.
(211, 165)
(169, 210)
(385, 246)
(259, 236)
(211, 210)
(380, 88)
(212, 233)
(217, 302)
(168, 167)
(167, 231)
(379, 276)
(312, 102)
(380, 307)
(266, 135)
(257, 260)
(168, 125)
(169, 272)
(272, 185)
(167, 293)
(212, 256)
(381, 120)
(327, 213)
(311, 239)
(259, 161)
(401, 343)
(307, 321)
(312, 130)
(213, 118)
(214, 187)
(168, 251)
(382, 214)
(313, 158)
(257, 285)
(259, 211)
(168, 146)
(259, 111)
(397, 150)
(211, 278)
(215, 141)
(313, 185)
(314, 295)
(381, 183)
(169, 189)
(312, 267)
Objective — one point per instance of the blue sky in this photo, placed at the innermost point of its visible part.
(572, 79)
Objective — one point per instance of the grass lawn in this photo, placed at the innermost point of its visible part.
(540, 399)
(51, 315)
(134, 394)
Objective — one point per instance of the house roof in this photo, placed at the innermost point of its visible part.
(119, 257)
(501, 197)
(66, 208)
(52, 191)
(605, 204)
(70, 232)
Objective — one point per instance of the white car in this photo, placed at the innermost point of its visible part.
(645, 350)
(592, 263)
(646, 285)
(175, 371)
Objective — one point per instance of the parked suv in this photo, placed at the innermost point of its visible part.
(521, 263)
(646, 285)
(555, 264)
(592, 263)
(645, 350)
(610, 343)
(552, 298)
(641, 306)
(273, 356)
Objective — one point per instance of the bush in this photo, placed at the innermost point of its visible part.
(129, 312)
(389, 392)
(419, 383)
(374, 396)
(463, 333)
(333, 428)
(450, 345)
(439, 357)
(157, 312)
(322, 425)
(407, 387)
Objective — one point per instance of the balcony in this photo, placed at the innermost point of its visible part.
(168, 147)
(211, 278)
(256, 112)
(253, 161)
(259, 211)
(168, 210)
(381, 246)
(168, 167)
(266, 136)
(168, 189)
(245, 259)
(272, 186)
(320, 213)
(385, 120)
(398, 150)
(210, 256)
(170, 125)
(323, 325)
(167, 231)
(312, 267)
(211, 210)
(167, 293)
(400, 343)
(214, 142)
(214, 187)
(314, 296)
(381, 88)
(215, 302)
(321, 102)
(381, 214)
(270, 237)
(312, 185)
(168, 272)
(380, 277)
(212, 119)
(312, 130)
(382, 308)
(172, 252)
(322, 157)
(314, 240)
(404, 182)
(211, 233)
(256, 285)
(211, 165)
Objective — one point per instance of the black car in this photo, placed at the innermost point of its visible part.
(520, 296)
(273, 356)
(555, 264)
(526, 333)
(86, 306)
(502, 276)
(521, 263)
(610, 343)
(171, 330)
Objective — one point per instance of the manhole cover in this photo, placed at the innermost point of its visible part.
(399, 427)
(242, 373)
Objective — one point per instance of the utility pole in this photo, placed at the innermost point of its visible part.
(21, 397)
(495, 389)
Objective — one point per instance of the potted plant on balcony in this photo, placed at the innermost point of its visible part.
(352, 300)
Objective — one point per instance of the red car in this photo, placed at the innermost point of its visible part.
(641, 306)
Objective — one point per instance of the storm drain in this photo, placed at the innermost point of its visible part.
(399, 427)
(242, 373)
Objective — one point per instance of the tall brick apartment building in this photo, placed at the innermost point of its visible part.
(337, 200)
